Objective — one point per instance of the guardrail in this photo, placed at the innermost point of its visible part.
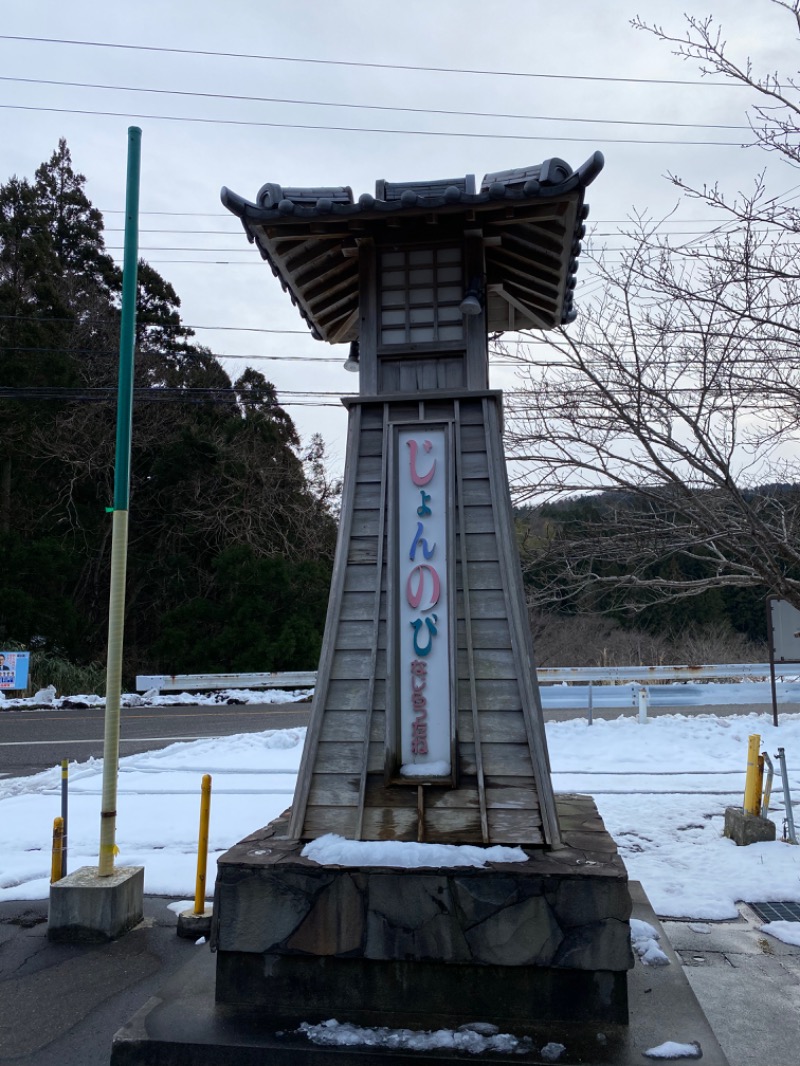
(626, 679)
(647, 674)
(215, 682)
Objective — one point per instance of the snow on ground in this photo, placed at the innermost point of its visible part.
(661, 788)
(46, 697)
(788, 932)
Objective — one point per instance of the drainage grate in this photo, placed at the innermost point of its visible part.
(777, 912)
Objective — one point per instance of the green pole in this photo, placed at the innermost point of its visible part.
(119, 535)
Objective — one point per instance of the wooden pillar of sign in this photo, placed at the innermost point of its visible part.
(426, 723)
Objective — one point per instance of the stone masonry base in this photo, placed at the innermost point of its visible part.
(515, 942)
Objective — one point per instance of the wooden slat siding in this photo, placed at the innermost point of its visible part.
(453, 374)
(486, 634)
(367, 496)
(521, 641)
(477, 519)
(366, 522)
(337, 757)
(516, 827)
(481, 575)
(349, 725)
(497, 727)
(513, 798)
(473, 439)
(511, 759)
(477, 493)
(404, 412)
(321, 820)
(490, 604)
(475, 326)
(328, 644)
(363, 550)
(474, 464)
(492, 696)
(487, 664)
(435, 410)
(362, 579)
(471, 412)
(343, 757)
(454, 827)
(369, 469)
(436, 797)
(378, 657)
(359, 665)
(368, 312)
(333, 790)
(465, 600)
(356, 606)
(391, 823)
(353, 635)
(371, 442)
(372, 416)
(483, 548)
(346, 696)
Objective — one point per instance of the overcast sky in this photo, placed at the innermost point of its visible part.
(288, 135)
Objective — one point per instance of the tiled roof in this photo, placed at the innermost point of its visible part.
(532, 221)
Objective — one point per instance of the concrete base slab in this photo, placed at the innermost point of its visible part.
(744, 828)
(86, 908)
(183, 1027)
(191, 925)
(722, 960)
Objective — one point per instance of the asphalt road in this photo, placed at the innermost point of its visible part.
(34, 740)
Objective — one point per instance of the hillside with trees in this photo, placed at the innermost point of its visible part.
(232, 522)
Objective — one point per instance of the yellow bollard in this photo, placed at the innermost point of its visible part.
(752, 784)
(58, 847)
(202, 846)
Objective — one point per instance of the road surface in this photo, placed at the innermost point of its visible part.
(34, 740)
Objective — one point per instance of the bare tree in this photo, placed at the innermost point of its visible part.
(676, 401)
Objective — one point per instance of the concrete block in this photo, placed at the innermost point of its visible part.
(192, 926)
(87, 908)
(744, 828)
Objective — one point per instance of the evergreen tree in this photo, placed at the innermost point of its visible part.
(230, 544)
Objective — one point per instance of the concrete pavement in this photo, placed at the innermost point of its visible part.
(60, 1005)
(748, 984)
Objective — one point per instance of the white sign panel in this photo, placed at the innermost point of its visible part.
(785, 630)
(423, 591)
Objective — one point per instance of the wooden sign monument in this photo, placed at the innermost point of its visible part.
(426, 723)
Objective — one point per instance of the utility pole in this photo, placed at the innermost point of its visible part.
(119, 541)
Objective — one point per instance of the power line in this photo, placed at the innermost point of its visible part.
(374, 107)
(369, 66)
(363, 129)
(185, 325)
(102, 394)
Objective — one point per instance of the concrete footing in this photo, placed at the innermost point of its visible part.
(87, 908)
(191, 925)
(744, 828)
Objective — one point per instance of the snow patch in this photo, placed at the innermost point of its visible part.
(434, 768)
(466, 1038)
(334, 850)
(644, 941)
(786, 932)
(670, 1049)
